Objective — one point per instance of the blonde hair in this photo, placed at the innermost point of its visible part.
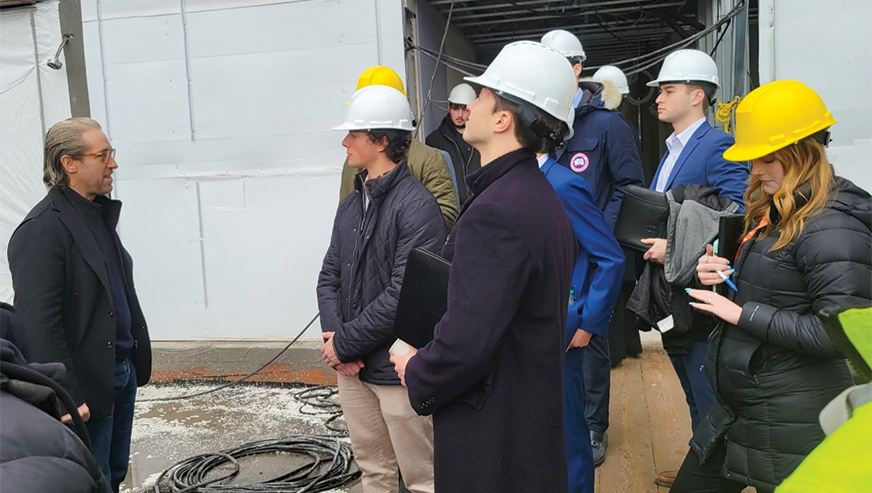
(808, 175)
(64, 139)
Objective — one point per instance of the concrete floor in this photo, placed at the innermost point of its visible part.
(166, 432)
(649, 430)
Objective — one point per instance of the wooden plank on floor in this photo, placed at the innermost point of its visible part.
(629, 464)
(667, 410)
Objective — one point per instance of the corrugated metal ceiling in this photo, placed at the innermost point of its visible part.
(610, 30)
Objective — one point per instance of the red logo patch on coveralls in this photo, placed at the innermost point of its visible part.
(579, 162)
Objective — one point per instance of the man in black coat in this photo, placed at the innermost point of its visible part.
(493, 375)
(449, 138)
(73, 283)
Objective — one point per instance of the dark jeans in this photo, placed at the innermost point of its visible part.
(706, 478)
(698, 391)
(110, 434)
(597, 382)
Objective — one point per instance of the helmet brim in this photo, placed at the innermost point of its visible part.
(740, 153)
(658, 82)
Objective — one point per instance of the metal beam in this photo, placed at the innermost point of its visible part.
(543, 29)
(690, 21)
(568, 11)
(74, 57)
(540, 17)
(589, 43)
(672, 23)
(436, 3)
(519, 6)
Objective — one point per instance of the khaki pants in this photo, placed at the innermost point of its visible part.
(386, 433)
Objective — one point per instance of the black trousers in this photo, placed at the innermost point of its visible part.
(694, 477)
(624, 338)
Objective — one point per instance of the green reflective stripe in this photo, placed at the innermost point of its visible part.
(857, 324)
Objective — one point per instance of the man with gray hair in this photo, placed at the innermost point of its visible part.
(73, 283)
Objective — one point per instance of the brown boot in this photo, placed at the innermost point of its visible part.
(665, 478)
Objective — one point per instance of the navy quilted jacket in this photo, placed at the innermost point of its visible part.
(362, 272)
(776, 369)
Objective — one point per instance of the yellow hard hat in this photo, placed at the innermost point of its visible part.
(380, 76)
(775, 115)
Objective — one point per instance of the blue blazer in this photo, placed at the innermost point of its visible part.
(599, 266)
(702, 163)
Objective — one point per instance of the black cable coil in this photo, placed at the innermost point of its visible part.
(319, 401)
(330, 465)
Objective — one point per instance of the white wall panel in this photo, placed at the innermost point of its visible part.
(148, 102)
(260, 93)
(160, 227)
(159, 38)
(222, 112)
(828, 46)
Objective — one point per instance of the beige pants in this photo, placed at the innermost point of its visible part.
(386, 433)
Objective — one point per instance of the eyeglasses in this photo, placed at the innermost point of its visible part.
(103, 155)
(455, 107)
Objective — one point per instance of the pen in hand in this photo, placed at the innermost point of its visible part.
(727, 280)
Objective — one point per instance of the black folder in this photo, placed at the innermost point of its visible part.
(423, 297)
(643, 214)
(730, 231)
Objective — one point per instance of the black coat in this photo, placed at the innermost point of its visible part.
(39, 453)
(62, 290)
(464, 158)
(493, 375)
(776, 369)
(360, 280)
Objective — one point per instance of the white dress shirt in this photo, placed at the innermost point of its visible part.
(576, 100)
(674, 145)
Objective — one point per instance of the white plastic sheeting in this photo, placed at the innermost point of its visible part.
(221, 111)
(32, 98)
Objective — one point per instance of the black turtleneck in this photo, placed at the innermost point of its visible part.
(101, 216)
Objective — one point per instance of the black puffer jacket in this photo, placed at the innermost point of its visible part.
(39, 453)
(775, 371)
(360, 280)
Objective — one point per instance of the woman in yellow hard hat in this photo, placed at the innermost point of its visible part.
(807, 248)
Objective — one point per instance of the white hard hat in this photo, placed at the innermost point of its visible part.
(526, 71)
(687, 66)
(565, 42)
(378, 108)
(462, 94)
(615, 76)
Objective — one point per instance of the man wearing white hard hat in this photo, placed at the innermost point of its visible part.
(688, 80)
(427, 165)
(449, 138)
(596, 281)
(614, 75)
(493, 375)
(388, 214)
(605, 152)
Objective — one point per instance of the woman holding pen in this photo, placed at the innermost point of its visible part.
(807, 249)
